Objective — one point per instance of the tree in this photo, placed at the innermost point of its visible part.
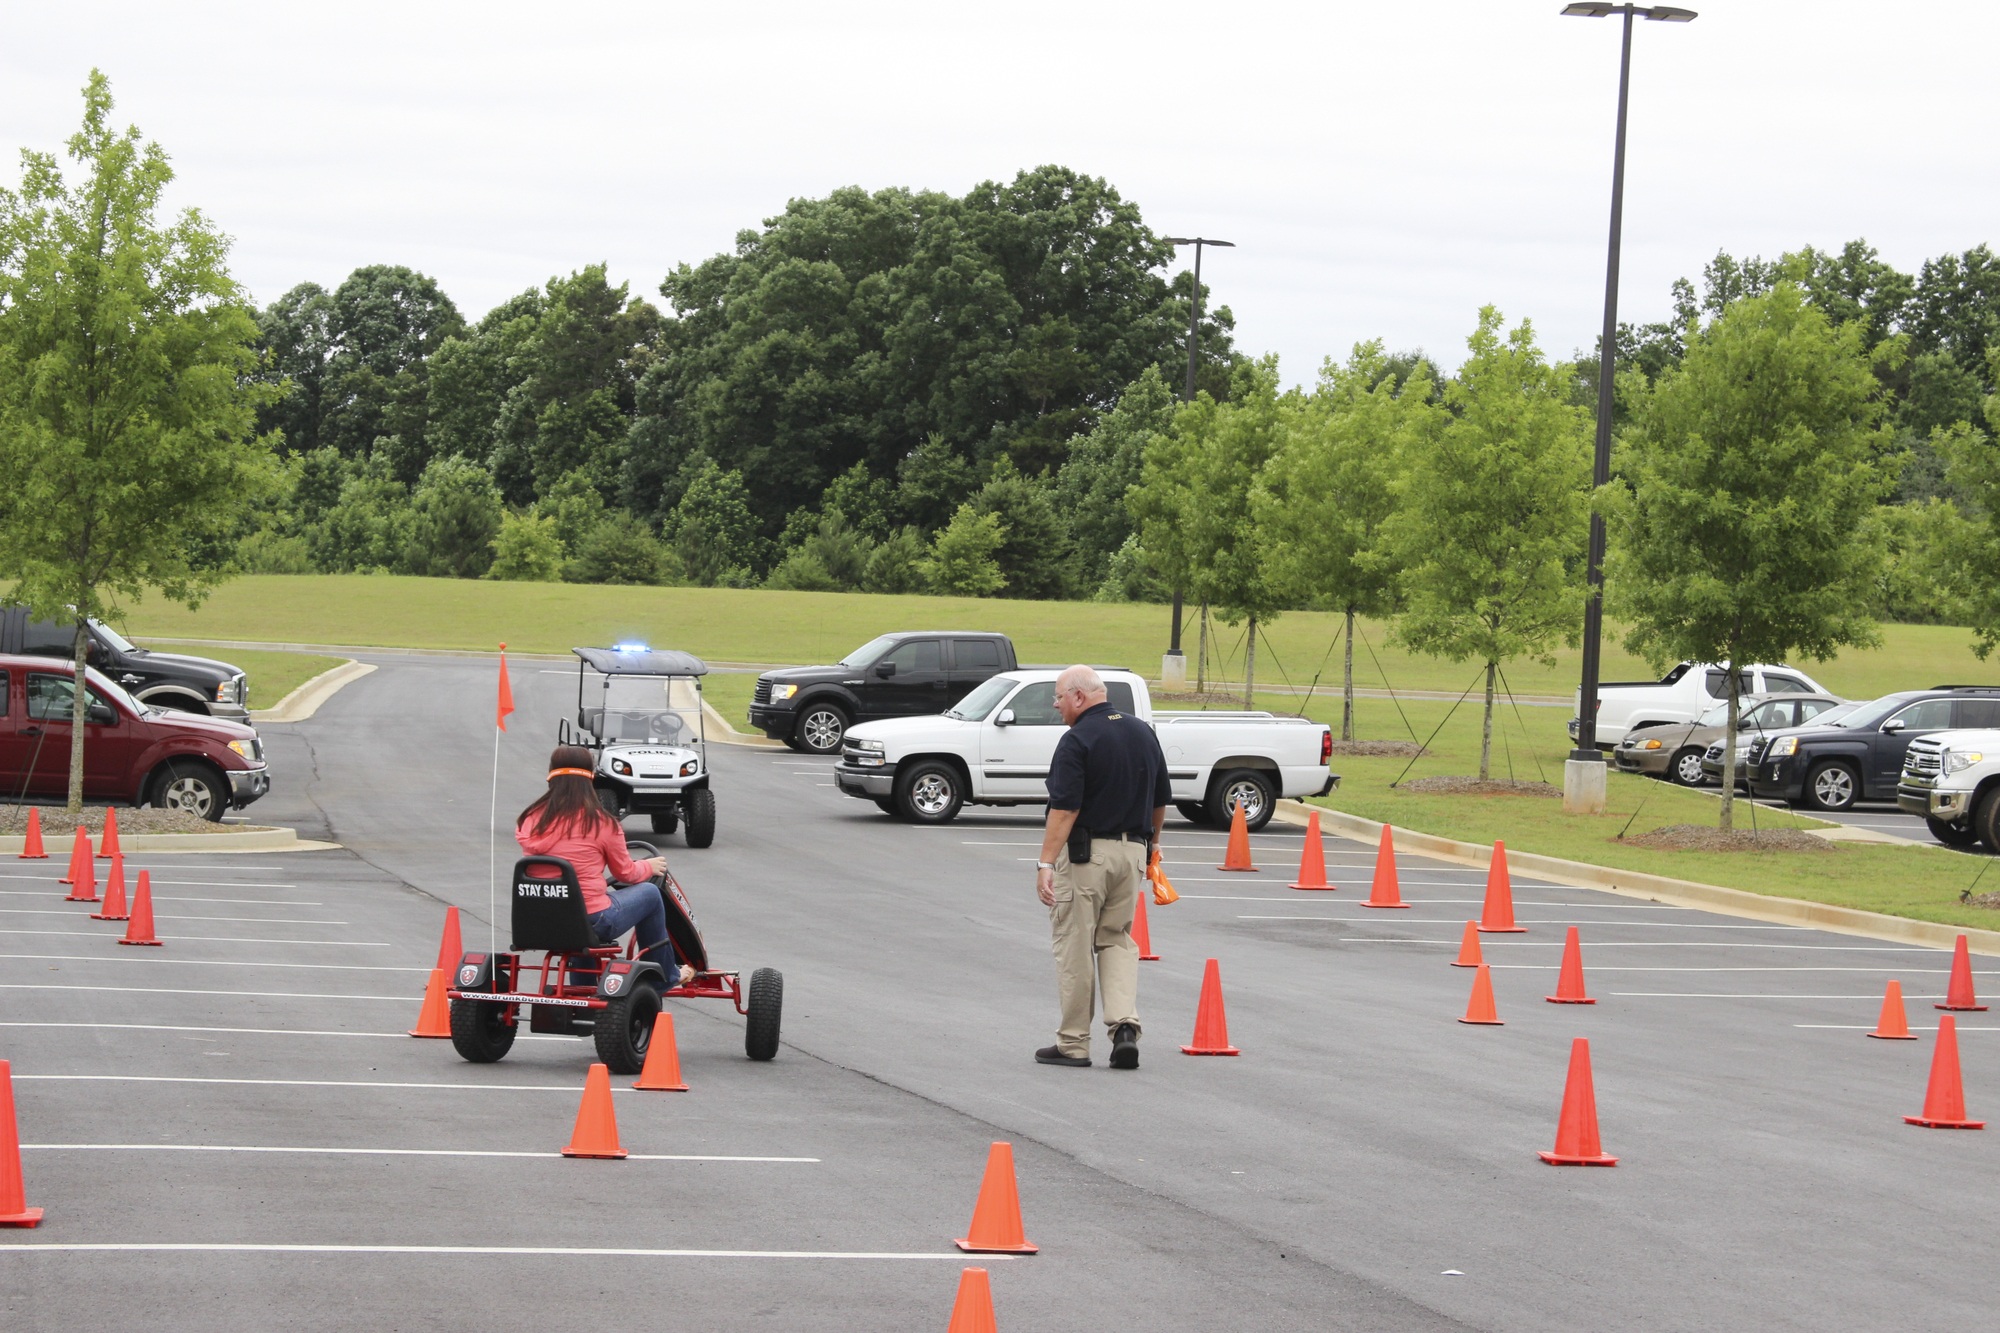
(455, 515)
(127, 409)
(1973, 552)
(1325, 496)
(961, 562)
(1034, 552)
(1492, 513)
(1746, 487)
(526, 550)
(1103, 465)
(620, 549)
(713, 528)
(897, 564)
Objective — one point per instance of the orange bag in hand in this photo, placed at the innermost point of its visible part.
(1163, 889)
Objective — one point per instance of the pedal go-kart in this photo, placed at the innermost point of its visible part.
(584, 985)
(642, 717)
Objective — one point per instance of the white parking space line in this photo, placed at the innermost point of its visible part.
(1873, 971)
(1755, 995)
(131, 873)
(159, 960)
(207, 939)
(252, 1032)
(514, 1251)
(176, 898)
(1435, 902)
(384, 1152)
(1617, 944)
(237, 994)
(238, 920)
(569, 1088)
(1864, 1027)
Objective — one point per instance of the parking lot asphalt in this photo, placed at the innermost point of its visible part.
(1367, 1163)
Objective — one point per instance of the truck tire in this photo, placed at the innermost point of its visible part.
(931, 792)
(1986, 820)
(625, 1029)
(1684, 768)
(1950, 834)
(821, 728)
(765, 1008)
(193, 786)
(700, 807)
(1194, 812)
(666, 821)
(887, 805)
(1833, 785)
(1249, 786)
(480, 1031)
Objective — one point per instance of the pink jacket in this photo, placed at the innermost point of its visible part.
(589, 850)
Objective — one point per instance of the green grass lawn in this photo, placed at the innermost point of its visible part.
(273, 675)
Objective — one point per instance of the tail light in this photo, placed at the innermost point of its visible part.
(1326, 745)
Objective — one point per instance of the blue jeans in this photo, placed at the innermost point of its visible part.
(639, 906)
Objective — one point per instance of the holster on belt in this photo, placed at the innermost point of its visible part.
(1079, 845)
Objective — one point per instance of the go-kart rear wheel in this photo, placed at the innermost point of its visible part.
(625, 1029)
(480, 1030)
(766, 1007)
(699, 806)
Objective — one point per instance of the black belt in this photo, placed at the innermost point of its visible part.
(1122, 837)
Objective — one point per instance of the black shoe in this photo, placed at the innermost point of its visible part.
(1052, 1055)
(1124, 1047)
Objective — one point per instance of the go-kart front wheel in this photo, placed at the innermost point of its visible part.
(480, 1030)
(766, 1007)
(625, 1029)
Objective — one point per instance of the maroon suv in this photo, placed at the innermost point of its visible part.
(132, 754)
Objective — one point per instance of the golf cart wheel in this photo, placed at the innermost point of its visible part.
(1950, 834)
(1833, 786)
(821, 729)
(700, 805)
(1249, 787)
(930, 793)
(766, 1007)
(666, 821)
(1685, 768)
(1194, 812)
(625, 1029)
(480, 1031)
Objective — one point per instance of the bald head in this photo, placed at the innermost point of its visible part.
(1077, 689)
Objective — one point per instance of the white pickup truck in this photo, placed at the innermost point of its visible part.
(995, 746)
(1682, 695)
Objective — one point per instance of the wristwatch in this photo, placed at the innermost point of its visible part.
(1045, 865)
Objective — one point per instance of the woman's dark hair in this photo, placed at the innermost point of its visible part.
(571, 798)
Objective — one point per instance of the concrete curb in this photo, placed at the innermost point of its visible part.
(1660, 888)
(303, 702)
(253, 838)
(731, 736)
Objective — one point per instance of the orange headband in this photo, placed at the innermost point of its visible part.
(555, 773)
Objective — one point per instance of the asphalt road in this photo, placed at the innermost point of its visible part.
(1367, 1163)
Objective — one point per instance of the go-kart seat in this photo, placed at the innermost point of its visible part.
(548, 907)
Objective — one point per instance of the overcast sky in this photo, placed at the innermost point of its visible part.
(1384, 169)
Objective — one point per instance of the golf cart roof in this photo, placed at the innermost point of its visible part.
(639, 660)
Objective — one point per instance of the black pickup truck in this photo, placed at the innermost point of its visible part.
(163, 680)
(910, 674)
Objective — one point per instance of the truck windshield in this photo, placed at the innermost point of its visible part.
(865, 655)
(975, 706)
(113, 637)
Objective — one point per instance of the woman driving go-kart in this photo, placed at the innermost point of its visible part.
(569, 821)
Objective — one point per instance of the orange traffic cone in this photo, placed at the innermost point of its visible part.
(450, 950)
(139, 927)
(1211, 1023)
(1238, 855)
(1480, 1008)
(1142, 934)
(114, 894)
(1958, 994)
(662, 1071)
(973, 1311)
(76, 847)
(14, 1210)
(110, 848)
(83, 871)
(434, 1019)
(1497, 916)
(1944, 1099)
(596, 1132)
(1468, 948)
(1576, 1132)
(1385, 892)
(1893, 1025)
(1569, 982)
(1312, 860)
(996, 1217)
(31, 845)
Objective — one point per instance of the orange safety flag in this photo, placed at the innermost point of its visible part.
(1163, 889)
(506, 704)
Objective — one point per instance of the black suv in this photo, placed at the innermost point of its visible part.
(1860, 757)
(910, 674)
(163, 680)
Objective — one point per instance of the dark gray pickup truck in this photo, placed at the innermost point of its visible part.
(159, 680)
(910, 674)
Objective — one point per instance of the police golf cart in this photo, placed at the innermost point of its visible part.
(638, 709)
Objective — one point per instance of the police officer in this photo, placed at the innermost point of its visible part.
(1108, 796)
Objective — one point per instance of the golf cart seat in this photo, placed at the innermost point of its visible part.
(548, 908)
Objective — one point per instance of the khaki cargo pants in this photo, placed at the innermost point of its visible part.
(1091, 926)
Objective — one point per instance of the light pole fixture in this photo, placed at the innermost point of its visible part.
(1584, 773)
(1187, 396)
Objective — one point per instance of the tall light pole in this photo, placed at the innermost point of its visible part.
(1173, 669)
(1584, 773)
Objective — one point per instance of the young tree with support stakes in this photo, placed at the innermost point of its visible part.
(1744, 487)
(126, 410)
(1322, 501)
(1492, 512)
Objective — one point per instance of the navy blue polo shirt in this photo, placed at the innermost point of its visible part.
(1109, 769)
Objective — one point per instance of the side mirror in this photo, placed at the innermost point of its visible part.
(885, 669)
(93, 653)
(1006, 718)
(103, 715)
(1892, 726)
